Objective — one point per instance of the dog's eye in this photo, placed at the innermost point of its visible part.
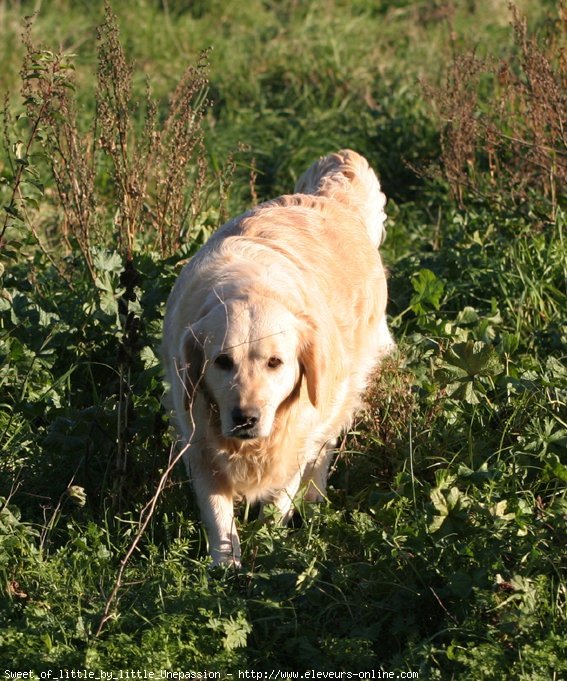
(224, 362)
(274, 362)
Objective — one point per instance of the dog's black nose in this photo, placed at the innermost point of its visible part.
(244, 420)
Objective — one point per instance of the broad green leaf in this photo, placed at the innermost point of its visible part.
(474, 358)
(428, 292)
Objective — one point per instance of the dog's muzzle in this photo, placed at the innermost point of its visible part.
(244, 423)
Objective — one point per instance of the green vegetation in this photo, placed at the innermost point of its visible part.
(441, 549)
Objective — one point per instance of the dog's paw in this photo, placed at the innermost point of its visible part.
(226, 558)
(220, 568)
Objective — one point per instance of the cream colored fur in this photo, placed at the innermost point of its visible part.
(270, 335)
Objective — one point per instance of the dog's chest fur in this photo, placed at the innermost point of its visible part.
(259, 469)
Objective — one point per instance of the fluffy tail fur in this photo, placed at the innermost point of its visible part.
(347, 177)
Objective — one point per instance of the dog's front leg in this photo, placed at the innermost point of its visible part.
(317, 471)
(283, 499)
(217, 511)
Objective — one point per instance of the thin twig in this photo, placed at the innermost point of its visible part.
(145, 517)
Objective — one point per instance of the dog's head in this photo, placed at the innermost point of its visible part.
(249, 359)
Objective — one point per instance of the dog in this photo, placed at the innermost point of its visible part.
(270, 335)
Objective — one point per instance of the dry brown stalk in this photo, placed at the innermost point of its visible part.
(503, 133)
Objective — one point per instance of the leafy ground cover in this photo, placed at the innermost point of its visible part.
(441, 549)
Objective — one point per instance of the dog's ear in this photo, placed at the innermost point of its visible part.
(313, 359)
(191, 365)
(312, 372)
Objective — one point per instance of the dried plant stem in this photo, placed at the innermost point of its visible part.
(21, 166)
(145, 516)
(509, 116)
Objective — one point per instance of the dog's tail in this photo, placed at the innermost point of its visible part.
(347, 177)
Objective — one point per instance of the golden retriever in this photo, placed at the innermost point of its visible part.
(270, 335)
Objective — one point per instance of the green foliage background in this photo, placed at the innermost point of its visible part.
(441, 549)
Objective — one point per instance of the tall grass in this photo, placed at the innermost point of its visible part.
(440, 549)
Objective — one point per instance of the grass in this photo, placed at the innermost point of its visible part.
(441, 548)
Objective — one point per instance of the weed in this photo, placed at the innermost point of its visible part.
(504, 121)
